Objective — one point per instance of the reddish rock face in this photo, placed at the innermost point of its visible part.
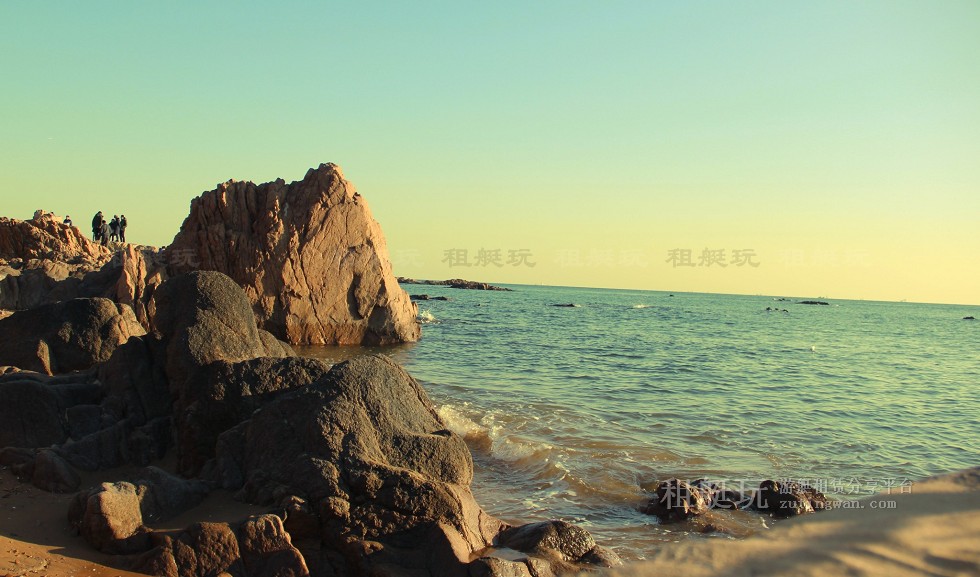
(311, 258)
(45, 237)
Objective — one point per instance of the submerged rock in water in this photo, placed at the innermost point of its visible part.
(788, 499)
(428, 298)
(676, 500)
(312, 259)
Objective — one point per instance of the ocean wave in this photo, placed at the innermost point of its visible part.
(491, 437)
(426, 317)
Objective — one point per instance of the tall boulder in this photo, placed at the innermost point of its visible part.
(312, 259)
(66, 336)
(204, 317)
(391, 482)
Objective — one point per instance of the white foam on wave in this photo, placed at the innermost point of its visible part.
(497, 439)
(641, 306)
(426, 317)
(458, 422)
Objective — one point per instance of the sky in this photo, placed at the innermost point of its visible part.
(781, 148)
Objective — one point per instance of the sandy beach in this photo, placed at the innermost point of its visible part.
(934, 530)
(35, 538)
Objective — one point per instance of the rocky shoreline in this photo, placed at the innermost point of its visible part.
(170, 373)
(128, 358)
(360, 474)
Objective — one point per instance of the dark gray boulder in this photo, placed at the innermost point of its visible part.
(565, 545)
(376, 482)
(256, 547)
(203, 317)
(66, 336)
(364, 443)
(54, 474)
(30, 414)
(163, 495)
(222, 394)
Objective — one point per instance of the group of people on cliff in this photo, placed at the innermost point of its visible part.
(107, 231)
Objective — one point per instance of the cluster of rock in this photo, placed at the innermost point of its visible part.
(44, 261)
(676, 500)
(359, 472)
(456, 283)
(124, 358)
(309, 255)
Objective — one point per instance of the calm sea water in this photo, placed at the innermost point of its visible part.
(577, 412)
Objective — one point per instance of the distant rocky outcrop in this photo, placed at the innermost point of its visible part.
(813, 303)
(428, 298)
(311, 258)
(456, 283)
(46, 237)
(44, 261)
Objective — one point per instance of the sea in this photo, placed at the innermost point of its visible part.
(578, 412)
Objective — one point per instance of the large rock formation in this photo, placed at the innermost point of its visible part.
(377, 482)
(66, 336)
(163, 386)
(312, 259)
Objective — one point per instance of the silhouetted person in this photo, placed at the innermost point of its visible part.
(114, 228)
(104, 232)
(122, 228)
(67, 220)
(97, 222)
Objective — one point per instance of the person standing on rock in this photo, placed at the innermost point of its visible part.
(97, 222)
(67, 220)
(122, 228)
(104, 233)
(114, 228)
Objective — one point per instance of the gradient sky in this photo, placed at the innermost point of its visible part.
(839, 141)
